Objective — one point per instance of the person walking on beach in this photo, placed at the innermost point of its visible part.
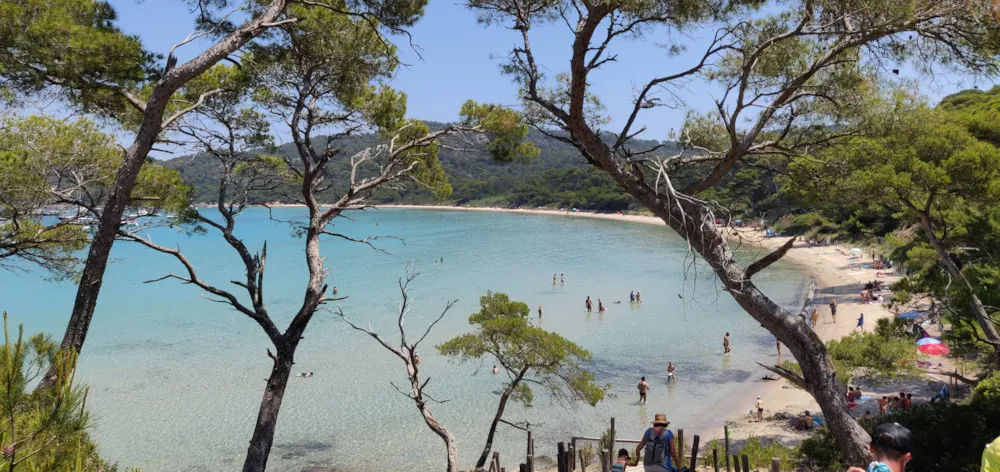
(670, 372)
(814, 318)
(725, 343)
(657, 447)
(539, 311)
(861, 323)
(833, 310)
(589, 304)
(760, 409)
(643, 386)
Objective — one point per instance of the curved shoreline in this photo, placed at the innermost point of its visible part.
(825, 265)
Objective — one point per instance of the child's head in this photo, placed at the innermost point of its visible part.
(891, 444)
(623, 454)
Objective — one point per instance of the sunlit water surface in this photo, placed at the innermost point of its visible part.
(176, 380)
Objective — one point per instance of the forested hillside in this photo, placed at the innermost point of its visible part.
(558, 177)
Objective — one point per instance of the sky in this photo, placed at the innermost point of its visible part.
(459, 59)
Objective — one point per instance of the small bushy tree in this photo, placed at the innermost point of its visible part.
(528, 355)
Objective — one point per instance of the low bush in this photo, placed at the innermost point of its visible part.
(948, 436)
(758, 455)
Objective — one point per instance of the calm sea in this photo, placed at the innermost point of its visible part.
(176, 380)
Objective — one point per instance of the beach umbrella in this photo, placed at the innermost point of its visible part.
(910, 315)
(934, 349)
(991, 457)
(928, 341)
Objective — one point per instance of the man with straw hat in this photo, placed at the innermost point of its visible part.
(657, 444)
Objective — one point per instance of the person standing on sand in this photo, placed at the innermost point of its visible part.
(760, 409)
(643, 386)
(725, 343)
(882, 405)
(657, 446)
(833, 310)
(814, 318)
(589, 304)
(861, 323)
(670, 372)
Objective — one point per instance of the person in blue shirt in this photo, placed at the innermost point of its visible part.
(657, 447)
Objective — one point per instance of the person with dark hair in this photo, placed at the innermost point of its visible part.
(725, 343)
(891, 448)
(643, 386)
(622, 462)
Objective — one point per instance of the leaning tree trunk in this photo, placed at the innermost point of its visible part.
(135, 156)
(267, 417)
(428, 416)
(979, 311)
(499, 415)
(693, 221)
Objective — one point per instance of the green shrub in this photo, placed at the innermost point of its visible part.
(758, 455)
(988, 390)
(948, 436)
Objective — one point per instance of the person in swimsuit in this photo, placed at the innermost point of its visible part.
(562, 278)
(631, 296)
(670, 372)
(496, 370)
(725, 343)
(777, 342)
(760, 409)
(643, 386)
(600, 306)
(555, 280)
(589, 304)
(539, 311)
(638, 297)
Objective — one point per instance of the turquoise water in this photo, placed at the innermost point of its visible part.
(176, 380)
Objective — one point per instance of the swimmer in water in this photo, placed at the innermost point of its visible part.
(562, 278)
(600, 306)
(670, 372)
(496, 370)
(555, 280)
(335, 291)
(539, 311)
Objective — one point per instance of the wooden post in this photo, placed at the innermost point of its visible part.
(605, 458)
(715, 459)
(612, 445)
(583, 465)
(561, 457)
(523, 468)
(746, 463)
(572, 456)
(531, 453)
(531, 463)
(726, 428)
(496, 461)
(775, 464)
(694, 452)
(736, 462)
(680, 448)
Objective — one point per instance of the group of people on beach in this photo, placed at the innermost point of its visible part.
(900, 402)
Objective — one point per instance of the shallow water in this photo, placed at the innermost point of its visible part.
(176, 380)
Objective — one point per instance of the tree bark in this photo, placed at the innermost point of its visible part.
(485, 456)
(149, 130)
(979, 311)
(267, 417)
(428, 416)
(693, 221)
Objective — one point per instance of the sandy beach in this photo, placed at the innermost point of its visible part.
(836, 276)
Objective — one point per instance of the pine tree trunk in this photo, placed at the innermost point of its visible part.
(149, 130)
(267, 417)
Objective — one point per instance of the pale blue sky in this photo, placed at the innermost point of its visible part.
(457, 63)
